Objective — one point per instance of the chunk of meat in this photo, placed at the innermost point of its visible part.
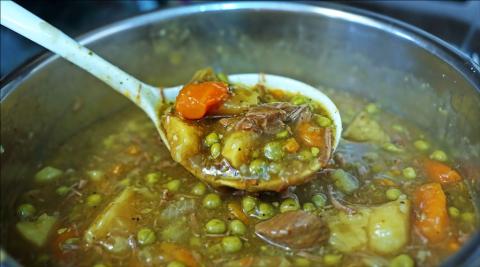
(293, 230)
(269, 118)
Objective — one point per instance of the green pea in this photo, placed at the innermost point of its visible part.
(322, 121)
(120, 244)
(99, 265)
(47, 175)
(176, 264)
(215, 226)
(409, 173)
(289, 204)
(468, 217)
(301, 262)
(402, 260)
(392, 148)
(173, 185)
(274, 167)
(62, 190)
(454, 212)
(258, 167)
(26, 210)
(211, 138)
(248, 204)
(299, 100)
(398, 128)
(215, 150)
(231, 244)
(319, 200)
(273, 151)
(393, 193)
(94, 199)
(282, 134)
(371, 108)
(95, 175)
(305, 155)
(152, 178)
(421, 145)
(344, 181)
(237, 227)
(332, 259)
(439, 155)
(308, 207)
(146, 236)
(212, 201)
(315, 151)
(199, 189)
(265, 211)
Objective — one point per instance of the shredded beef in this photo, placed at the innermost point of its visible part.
(269, 118)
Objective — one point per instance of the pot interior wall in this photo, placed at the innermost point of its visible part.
(57, 100)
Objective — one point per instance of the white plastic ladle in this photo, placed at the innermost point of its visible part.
(147, 97)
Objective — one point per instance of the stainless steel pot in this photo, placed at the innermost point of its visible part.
(408, 71)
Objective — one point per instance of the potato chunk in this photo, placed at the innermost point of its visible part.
(364, 128)
(347, 232)
(117, 216)
(183, 138)
(37, 231)
(237, 147)
(383, 229)
(389, 227)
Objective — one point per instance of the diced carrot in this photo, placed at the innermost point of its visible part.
(453, 245)
(237, 212)
(247, 261)
(291, 145)
(312, 135)
(278, 94)
(440, 172)
(180, 253)
(195, 100)
(431, 212)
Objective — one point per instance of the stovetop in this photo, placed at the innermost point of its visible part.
(457, 22)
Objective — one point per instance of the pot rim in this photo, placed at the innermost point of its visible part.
(470, 252)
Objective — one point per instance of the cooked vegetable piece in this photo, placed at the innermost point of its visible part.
(383, 229)
(116, 216)
(344, 181)
(348, 232)
(294, 230)
(180, 254)
(231, 244)
(37, 232)
(183, 138)
(237, 147)
(26, 211)
(431, 212)
(440, 172)
(240, 101)
(178, 208)
(195, 100)
(363, 128)
(389, 226)
(47, 175)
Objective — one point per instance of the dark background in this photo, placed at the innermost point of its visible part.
(457, 22)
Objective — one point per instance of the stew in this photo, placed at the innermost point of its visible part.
(113, 195)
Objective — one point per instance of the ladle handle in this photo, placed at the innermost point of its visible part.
(34, 28)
